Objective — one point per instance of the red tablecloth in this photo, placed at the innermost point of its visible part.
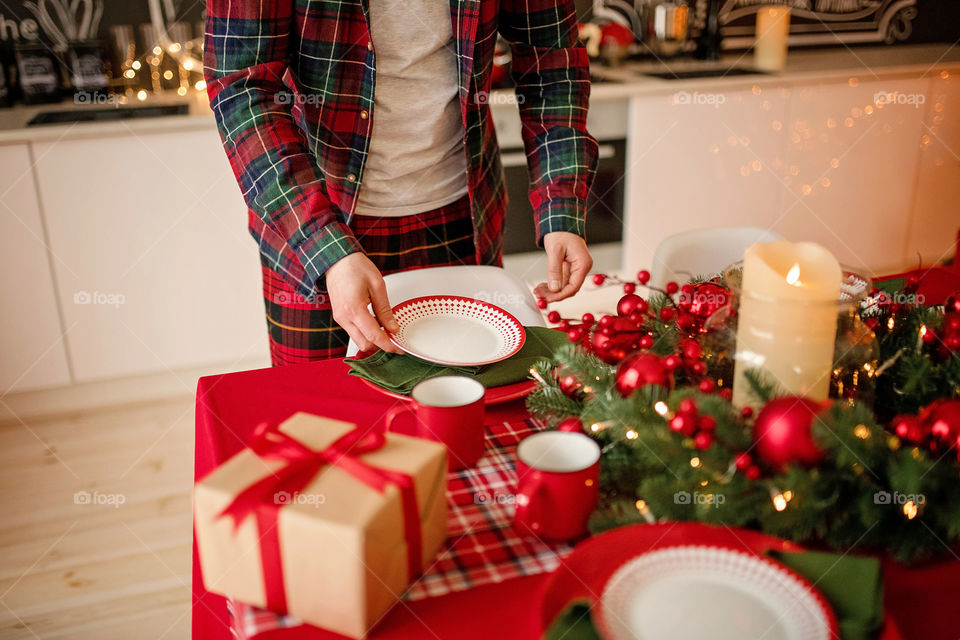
(229, 407)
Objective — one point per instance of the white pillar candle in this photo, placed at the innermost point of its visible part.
(787, 318)
(770, 49)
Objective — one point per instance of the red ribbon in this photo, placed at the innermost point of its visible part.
(302, 466)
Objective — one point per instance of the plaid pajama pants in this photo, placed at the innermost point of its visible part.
(303, 329)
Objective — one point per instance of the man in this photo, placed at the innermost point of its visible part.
(360, 135)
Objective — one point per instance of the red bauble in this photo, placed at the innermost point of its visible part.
(541, 303)
(569, 385)
(598, 279)
(953, 303)
(628, 304)
(942, 419)
(783, 435)
(570, 425)
(908, 429)
(706, 299)
(703, 440)
(643, 276)
(639, 370)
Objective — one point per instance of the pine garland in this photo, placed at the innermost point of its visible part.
(871, 492)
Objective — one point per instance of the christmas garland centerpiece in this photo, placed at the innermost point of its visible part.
(689, 433)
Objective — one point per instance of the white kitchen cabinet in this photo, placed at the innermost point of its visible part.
(156, 271)
(936, 206)
(32, 351)
(832, 162)
(702, 158)
(851, 163)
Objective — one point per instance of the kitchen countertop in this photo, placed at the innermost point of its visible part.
(621, 83)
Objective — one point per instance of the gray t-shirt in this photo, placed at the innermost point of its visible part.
(416, 159)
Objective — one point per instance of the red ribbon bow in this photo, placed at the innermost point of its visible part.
(302, 466)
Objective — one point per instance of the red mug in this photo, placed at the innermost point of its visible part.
(558, 479)
(448, 409)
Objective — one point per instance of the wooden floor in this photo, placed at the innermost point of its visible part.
(95, 537)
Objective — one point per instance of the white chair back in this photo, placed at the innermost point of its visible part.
(490, 284)
(703, 252)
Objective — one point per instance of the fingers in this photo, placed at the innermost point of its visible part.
(555, 258)
(381, 307)
(371, 330)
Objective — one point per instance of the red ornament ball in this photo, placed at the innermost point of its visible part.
(541, 303)
(707, 423)
(629, 287)
(570, 425)
(553, 317)
(639, 370)
(942, 419)
(672, 288)
(646, 342)
(690, 349)
(667, 314)
(752, 472)
(703, 440)
(628, 304)
(743, 461)
(953, 303)
(587, 319)
(707, 298)
(643, 276)
(908, 429)
(672, 362)
(707, 386)
(782, 433)
(598, 279)
(569, 385)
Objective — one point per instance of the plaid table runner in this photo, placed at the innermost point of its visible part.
(482, 547)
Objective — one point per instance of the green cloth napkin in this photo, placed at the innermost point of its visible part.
(400, 372)
(574, 623)
(852, 586)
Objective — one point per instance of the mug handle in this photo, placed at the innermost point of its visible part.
(532, 511)
(396, 411)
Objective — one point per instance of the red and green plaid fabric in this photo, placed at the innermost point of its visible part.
(291, 83)
(302, 328)
(482, 547)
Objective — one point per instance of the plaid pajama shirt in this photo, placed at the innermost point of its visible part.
(291, 83)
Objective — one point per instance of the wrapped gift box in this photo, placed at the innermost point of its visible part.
(341, 545)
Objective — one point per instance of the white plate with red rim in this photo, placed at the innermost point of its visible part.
(456, 331)
(711, 592)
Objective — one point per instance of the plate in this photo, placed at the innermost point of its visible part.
(583, 574)
(494, 395)
(456, 331)
(692, 591)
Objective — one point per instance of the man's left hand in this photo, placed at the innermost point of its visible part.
(568, 263)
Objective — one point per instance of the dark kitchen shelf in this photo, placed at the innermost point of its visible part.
(107, 115)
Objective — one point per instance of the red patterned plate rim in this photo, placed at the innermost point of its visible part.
(825, 608)
(509, 317)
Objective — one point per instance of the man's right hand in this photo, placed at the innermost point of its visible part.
(353, 282)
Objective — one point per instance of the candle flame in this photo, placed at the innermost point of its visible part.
(793, 276)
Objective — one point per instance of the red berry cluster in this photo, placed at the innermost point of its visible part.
(690, 423)
(936, 428)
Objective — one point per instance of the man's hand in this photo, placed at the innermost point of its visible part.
(353, 282)
(568, 263)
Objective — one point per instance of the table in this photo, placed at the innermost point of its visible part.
(921, 600)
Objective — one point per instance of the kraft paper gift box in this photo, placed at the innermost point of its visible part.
(335, 552)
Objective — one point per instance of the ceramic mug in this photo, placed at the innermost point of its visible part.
(449, 410)
(558, 478)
